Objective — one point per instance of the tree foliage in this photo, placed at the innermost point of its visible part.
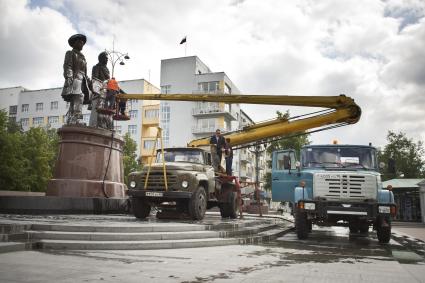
(295, 142)
(27, 158)
(405, 155)
(130, 157)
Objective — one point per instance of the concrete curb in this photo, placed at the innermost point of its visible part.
(61, 205)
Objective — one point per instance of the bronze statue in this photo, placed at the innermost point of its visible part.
(76, 83)
(100, 76)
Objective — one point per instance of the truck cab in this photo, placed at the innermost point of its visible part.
(183, 179)
(333, 185)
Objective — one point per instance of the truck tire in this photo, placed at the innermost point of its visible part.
(141, 209)
(231, 207)
(301, 225)
(353, 226)
(364, 227)
(198, 204)
(383, 232)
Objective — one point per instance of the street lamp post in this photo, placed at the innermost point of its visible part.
(115, 56)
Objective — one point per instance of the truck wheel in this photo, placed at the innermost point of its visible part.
(140, 208)
(364, 227)
(301, 225)
(231, 207)
(198, 204)
(353, 227)
(384, 232)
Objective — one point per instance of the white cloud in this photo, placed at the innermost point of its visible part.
(370, 50)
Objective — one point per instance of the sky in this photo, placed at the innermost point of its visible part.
(370, 50)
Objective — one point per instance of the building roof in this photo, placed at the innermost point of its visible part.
(403, 183)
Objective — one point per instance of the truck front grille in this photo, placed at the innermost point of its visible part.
(344, 186)
(156, 181)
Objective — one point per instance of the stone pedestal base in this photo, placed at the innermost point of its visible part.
(82, 168)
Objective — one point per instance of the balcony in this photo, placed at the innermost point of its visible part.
(150, 121)
(203, 130)
(213, 112)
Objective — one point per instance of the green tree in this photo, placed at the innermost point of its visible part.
(39, 148)
(130, 157)
(12, 161)
(27, 159)
(296, 142)
(406, 156)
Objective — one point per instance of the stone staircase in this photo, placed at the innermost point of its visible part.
(144, 235)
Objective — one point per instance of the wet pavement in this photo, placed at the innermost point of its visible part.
(330, 254)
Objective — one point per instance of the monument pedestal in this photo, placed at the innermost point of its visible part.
(82, 168)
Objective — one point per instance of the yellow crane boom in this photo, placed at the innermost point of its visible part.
(345, 110)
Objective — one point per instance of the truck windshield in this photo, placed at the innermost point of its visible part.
(339, 157)
(192, 156)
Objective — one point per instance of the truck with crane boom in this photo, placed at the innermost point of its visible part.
(186, 178)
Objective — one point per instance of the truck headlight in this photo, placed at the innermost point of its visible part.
(309, 206)
(132, 184)
(384, 209)
(185, 184)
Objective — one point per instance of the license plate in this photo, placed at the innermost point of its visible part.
(154, 194)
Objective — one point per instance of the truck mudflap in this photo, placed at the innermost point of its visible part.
(163, 195)
(323, 209)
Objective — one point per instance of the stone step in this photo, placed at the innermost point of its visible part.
(236, 224)
(6, 247)
(13, 228)
(108, 236)
(247, 231)
(157, 227)
(13, 237)
(134, 245)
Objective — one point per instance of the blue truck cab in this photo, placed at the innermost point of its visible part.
(333, 185)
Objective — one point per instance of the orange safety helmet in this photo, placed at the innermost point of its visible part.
(112, 84)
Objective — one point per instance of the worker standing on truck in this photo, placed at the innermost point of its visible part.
(228, 156)
(219, 142)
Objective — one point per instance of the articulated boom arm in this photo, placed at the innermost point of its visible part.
(345, 111)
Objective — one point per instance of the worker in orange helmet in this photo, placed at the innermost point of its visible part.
(112, 90)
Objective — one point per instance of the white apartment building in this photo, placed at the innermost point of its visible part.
(46, 108)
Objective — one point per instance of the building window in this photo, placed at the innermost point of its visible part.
(53, 120)
(227, 89)
(53, 105)
(165, 122)
(118, 129)
(13, 110)
(148, 144)
(132, 129)
(133, 114)
(208, 87)
(25, 122)
(36, 121)
(25, 107)
(209, 125)
(165, 89)
(152, 113)
(39, 106)
(86, 118)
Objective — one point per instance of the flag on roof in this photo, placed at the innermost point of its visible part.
(183, 40)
